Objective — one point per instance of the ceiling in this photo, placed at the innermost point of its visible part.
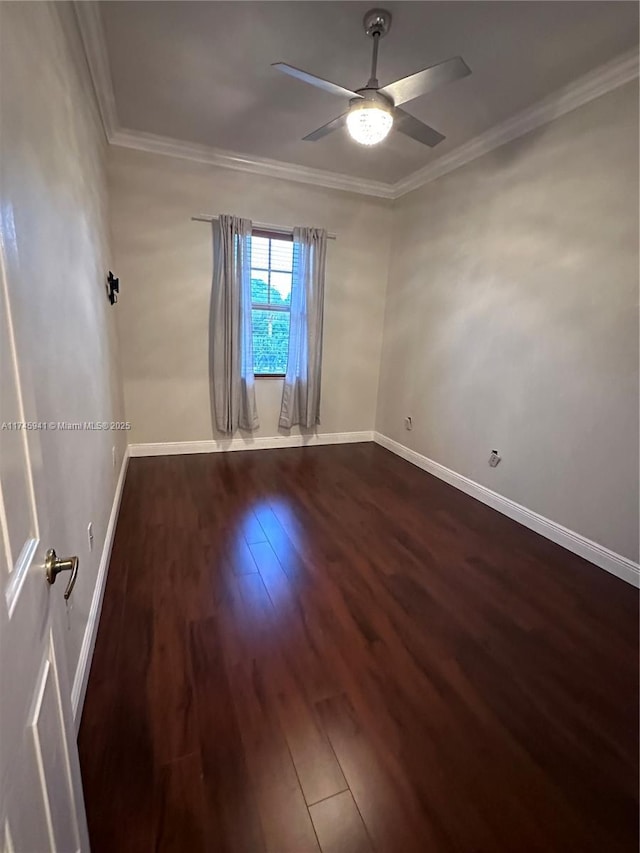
(200, 72)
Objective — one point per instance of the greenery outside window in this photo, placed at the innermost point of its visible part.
(271, 271)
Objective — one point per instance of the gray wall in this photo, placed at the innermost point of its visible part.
(53, 155)
(165, 262)
(512, 321)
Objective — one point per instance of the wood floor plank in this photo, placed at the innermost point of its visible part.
(285, 819)
(298, 643)
(232, 821)
(239, 555)
(392, 820)
(316, 765)
(339, 826)
(315, 762)
(120, 739)
(180, 807)
(297, 625)
(170, 682)
(252, 529)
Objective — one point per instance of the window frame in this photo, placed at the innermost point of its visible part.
(261, 306)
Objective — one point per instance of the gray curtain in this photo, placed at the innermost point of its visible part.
(231, 343)
(301, 393)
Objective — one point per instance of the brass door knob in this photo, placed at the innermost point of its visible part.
(53, 566)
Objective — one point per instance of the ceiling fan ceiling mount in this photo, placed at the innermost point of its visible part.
(377, 22)
(373, 110)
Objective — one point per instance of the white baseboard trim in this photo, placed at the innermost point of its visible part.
(606, 559)
(81, 678)
(170, 448)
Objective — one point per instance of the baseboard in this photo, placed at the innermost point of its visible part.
(606, 559)
(170, 448)
(89, 640)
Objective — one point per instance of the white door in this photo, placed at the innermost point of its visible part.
(41, 805)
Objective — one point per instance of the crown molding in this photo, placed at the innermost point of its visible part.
(155, 144)
(601, 80)
(607, 77)
(95, 48)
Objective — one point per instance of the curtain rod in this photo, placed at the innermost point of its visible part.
(261, 226)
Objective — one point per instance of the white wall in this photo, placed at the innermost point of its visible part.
(165, 264)
(512, 321)
(54, 187)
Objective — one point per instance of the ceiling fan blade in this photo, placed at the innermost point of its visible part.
(327, 128)
(415, 128)
(318, 82)
(424, 81)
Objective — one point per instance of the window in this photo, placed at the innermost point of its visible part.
(271, 269)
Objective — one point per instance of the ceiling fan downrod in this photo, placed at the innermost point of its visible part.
(377, 23)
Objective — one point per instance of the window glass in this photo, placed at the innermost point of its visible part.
(272, 262)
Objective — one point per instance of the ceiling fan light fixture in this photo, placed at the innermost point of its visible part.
(374, 111)
(369, 123)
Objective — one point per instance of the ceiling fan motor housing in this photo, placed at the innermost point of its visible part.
(372, 95)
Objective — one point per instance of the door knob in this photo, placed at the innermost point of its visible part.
(53, 566)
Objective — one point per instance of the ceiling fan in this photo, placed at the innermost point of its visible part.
(373, 110)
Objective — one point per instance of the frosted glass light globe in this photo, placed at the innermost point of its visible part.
(369, 123)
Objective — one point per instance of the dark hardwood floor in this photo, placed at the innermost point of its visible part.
(328, 649)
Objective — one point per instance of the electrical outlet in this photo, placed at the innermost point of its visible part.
(113, 456)
(494, 458)
(408, 423)
(90, 535)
